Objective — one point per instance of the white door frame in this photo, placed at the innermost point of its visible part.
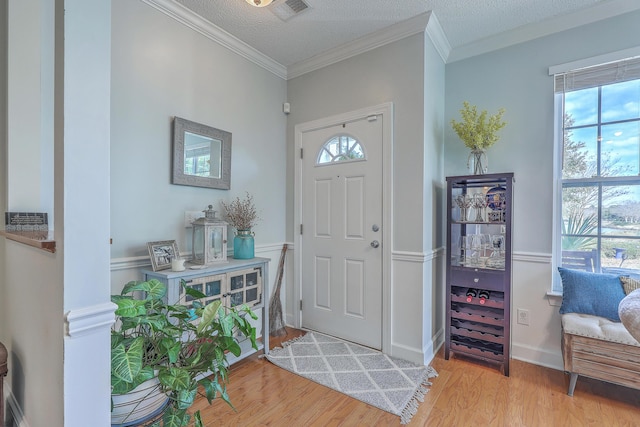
(386, 110)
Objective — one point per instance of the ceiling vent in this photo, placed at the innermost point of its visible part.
(287, 9)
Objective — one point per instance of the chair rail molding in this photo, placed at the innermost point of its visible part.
(143, 261)
(87, 320)
(537, 257)
(419, 257)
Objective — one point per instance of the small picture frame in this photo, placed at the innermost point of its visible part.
(161, 253)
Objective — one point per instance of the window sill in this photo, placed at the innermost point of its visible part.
(38, 239)
(555, 298)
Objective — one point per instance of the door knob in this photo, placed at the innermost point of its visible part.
(375, 244)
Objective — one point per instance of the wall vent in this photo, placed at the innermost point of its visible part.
(287, 9)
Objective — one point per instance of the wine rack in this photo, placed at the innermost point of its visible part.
(479, 217)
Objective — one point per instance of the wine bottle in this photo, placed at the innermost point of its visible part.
(483, 295)
(471, 294)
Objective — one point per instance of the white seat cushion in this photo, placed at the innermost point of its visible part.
(597, 327)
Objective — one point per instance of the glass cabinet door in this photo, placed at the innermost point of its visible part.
(245, 287)
(211, 286)
(233, 289)
(477, 221)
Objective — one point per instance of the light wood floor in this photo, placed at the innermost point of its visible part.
(464, 394)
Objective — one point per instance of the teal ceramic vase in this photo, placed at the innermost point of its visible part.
(243, 245)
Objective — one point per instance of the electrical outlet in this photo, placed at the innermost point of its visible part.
(190, 216)
(523, 316)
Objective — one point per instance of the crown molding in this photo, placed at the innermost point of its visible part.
(425, 22)
(207, 29)
(420, 23)
(438, 37)
(598, 12)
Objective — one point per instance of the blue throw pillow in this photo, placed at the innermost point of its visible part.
(597, 294)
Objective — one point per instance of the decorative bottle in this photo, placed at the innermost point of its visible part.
(483, 295)
(471, 294)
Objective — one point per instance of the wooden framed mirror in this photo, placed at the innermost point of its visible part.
(201, 155)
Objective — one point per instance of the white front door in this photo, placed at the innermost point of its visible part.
(341, 260)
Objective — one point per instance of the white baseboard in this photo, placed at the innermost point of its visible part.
(13, 411)
(536, 356)
(411, 354)
(430, 351)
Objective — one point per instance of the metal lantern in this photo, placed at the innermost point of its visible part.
(209, 239)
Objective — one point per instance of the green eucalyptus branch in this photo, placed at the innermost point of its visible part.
(478, 131)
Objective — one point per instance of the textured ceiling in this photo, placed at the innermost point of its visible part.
(330, 23)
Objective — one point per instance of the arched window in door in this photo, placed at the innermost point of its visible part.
(340, 148)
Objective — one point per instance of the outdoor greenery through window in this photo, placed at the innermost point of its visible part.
(599, 108)
(340, 148)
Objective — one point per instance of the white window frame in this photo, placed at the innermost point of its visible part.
(343, 160)
(556, 283)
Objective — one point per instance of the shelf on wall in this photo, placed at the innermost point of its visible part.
(38, 239)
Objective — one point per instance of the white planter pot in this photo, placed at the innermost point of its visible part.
(143, 402)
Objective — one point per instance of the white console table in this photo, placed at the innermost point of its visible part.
(235, 282)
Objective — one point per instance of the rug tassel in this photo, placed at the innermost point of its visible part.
(285, 344)
(418, 397)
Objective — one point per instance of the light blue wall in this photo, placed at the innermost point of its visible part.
(161, 69)
(517, 79)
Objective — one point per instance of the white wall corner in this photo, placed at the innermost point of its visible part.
(431, 348)
(88, 320)
(438, 38)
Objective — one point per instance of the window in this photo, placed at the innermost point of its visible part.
(197, 161)
(598, 172)
(341, 148)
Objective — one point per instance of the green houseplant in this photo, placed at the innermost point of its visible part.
(478, 131)
(176, 344)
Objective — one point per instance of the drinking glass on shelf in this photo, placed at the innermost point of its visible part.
(497, 243)
(464, 249)
(480, 205)
(473, 260)
(496, 259)
(464, 202)
(477, 248)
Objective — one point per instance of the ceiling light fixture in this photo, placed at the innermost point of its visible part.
(259, 3)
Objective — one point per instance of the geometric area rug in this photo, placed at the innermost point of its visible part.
(388, 383)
